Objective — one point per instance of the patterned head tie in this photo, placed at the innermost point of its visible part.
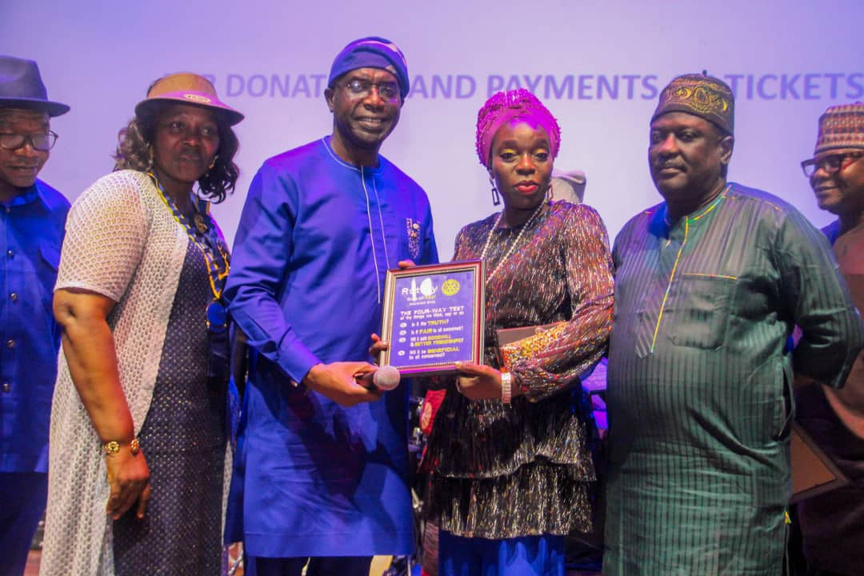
(503, 107)
(841, 127)
(700, 95)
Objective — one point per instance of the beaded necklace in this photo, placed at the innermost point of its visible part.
(513, 245)
(205, 239)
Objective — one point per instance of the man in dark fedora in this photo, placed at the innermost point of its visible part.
(32, 220)
(709, 286)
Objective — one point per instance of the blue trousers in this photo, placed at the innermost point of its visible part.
(529, 555)
(318, 566)
(23, 496)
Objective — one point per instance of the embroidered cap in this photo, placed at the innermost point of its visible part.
(841, 127)
(371, 52)
(700, 95)
(187, 88)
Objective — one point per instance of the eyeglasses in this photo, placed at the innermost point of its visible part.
(830, 164)
(40, 142)
(362, 88)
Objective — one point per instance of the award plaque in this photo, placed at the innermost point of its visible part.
(433, 317)
(813, 472)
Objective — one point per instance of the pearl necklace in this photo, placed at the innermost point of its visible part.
(513, 245)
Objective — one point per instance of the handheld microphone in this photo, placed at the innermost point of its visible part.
(386, 378)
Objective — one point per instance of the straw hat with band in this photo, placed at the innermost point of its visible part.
(187, 88)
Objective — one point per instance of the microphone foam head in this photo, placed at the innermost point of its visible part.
(386, 378)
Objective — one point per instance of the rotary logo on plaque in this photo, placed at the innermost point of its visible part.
(450, 287)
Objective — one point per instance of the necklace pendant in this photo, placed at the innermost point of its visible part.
(200, 223)
(217, 316)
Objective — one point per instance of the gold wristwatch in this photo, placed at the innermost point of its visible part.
(113, 447)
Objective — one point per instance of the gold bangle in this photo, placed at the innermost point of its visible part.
(113, 447)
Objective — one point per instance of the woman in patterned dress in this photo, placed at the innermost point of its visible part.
(509, 453)
(138, 434)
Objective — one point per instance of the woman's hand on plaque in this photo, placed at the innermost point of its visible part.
(478, 381)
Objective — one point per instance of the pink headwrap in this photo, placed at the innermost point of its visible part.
(503, 107)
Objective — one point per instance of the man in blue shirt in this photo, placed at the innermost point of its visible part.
(324, 464)
(32, 220)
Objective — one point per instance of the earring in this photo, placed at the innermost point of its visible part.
(549, 193)
(496, 197)
(213, 163)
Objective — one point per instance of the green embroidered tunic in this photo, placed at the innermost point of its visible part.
(700, 376)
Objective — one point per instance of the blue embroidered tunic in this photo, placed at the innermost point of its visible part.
(314, 243)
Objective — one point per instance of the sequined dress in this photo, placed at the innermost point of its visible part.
(184, 438)
(501, 471)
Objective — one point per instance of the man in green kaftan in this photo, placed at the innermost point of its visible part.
(709, 286)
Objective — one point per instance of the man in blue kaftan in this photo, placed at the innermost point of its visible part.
(323, 461)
